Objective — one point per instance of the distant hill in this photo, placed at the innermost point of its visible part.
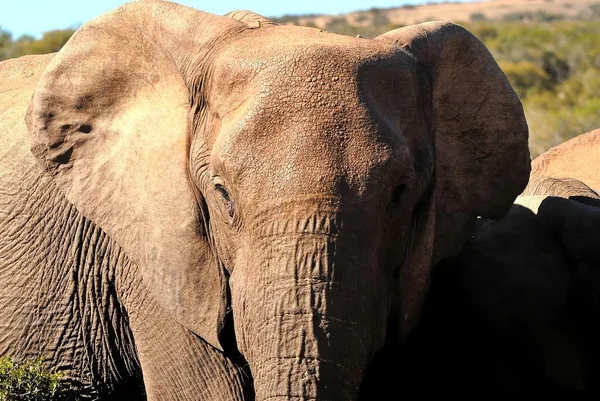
(492, 10)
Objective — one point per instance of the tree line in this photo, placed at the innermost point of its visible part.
(50, 41)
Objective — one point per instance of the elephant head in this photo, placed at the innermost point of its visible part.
(301, 180)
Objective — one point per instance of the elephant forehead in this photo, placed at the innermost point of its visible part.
(306, 113)
(300, 159)
(262, 46)
(303, 156)
(293, 64)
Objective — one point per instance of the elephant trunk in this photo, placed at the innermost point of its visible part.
(310, 319)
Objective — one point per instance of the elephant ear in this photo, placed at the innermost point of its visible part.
(481, 152)
(109, 120)
(480, 140)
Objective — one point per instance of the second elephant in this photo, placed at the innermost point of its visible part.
(516, 315)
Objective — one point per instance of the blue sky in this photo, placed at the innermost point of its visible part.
(37, 16)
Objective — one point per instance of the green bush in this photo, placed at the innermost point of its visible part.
(30, 381)
(51, 41)
(475, 17)
(525, 77)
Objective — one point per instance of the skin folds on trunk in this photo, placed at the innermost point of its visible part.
(297, 316)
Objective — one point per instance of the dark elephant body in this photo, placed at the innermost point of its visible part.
(221, 208)
(516, 314)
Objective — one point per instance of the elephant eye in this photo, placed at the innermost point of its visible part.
(395, 201)
(226, 199)
(397, 194)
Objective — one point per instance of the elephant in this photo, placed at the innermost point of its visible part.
(570, 188)
(203, 207)
(568, 170)
(516, 314)
(577, 156)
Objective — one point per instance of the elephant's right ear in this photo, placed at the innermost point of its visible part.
(480, 133)
(480, 140)
(110, 120)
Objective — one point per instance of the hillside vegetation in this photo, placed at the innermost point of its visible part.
(50, 41)
(549, 50)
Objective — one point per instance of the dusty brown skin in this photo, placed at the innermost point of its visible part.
(576, 158)
(563, 187)
(216, 192)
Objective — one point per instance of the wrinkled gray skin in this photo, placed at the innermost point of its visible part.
(220, 208)
(527, 288)
(561, 187)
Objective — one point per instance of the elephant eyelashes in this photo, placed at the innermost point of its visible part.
(226, 199)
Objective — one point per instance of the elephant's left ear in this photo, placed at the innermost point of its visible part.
(481, 137)
(110, 121)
